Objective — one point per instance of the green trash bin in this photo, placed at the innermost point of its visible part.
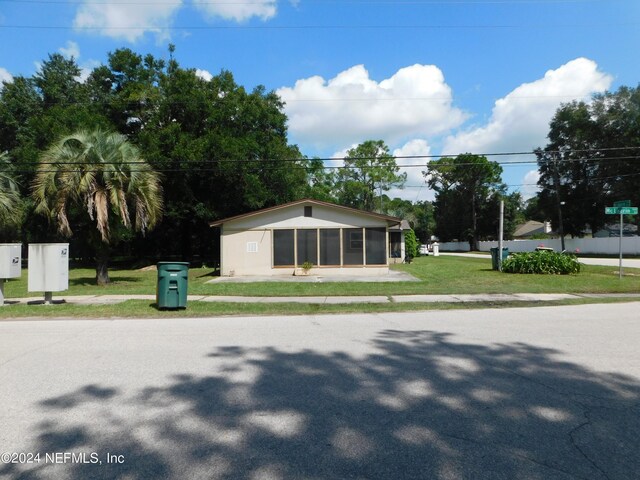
(494, 257)
(171, 290)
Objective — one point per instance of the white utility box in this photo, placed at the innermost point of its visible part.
(10, 260)
(48, 267)
(10, 264)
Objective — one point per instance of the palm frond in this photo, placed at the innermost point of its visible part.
(93, 168)
(9, 193)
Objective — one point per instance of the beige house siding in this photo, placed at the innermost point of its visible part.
(246, 243)
(239, 258)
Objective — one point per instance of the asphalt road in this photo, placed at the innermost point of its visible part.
(538, 393)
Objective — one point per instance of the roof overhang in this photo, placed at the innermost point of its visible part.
(308, 201)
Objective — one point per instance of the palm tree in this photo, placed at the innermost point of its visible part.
(105, 174)
(9, 193)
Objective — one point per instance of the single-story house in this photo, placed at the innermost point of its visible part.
(333, 239)
(613, 230)
(531, 229)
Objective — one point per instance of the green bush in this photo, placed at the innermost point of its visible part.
(410, 244)
(541, 262)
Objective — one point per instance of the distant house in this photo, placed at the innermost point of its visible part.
(613, 230)
(334, 239)
(531, 229)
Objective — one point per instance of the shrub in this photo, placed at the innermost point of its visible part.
(541, 262)
(410, 244)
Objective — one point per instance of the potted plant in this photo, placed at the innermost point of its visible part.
(306, 268)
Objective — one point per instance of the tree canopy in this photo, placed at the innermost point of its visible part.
(468, 188)
(223, 150)
(591, 160)
(106, 176)
(370, 169)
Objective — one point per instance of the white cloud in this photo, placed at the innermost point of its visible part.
(352, 107)
(72, 50)
(413, 148)
(520, 120)
(238, 10)
(86, 68)
(127, 21)
(204, 74)
(416, 186)
(530, 188)
(5, 76)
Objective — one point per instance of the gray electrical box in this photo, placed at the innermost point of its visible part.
(48, 267)
(10, 260)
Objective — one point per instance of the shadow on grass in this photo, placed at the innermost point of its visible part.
(83, 281)
(212, 273)
(417, 406)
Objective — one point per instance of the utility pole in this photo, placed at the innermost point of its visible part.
(556, 181)
(500, 235)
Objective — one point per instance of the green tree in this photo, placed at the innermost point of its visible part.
(463, 185)
(106, 175)
(369, 169)
(533, 211)
(591, 160)
(10, 199)
(425, 225)
(226, 150)
(321, 181)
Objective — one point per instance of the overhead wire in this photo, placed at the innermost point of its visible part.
(341, 2)
(504, 163)
(157, 28)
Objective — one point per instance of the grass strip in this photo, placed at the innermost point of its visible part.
(146, 309)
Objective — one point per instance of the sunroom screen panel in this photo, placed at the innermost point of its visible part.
(307, 246)
(376, 242)
(330, 246)
(283, 251)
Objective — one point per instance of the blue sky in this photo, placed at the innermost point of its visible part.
(427, 76)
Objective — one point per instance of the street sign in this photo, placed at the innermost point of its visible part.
(621, 210)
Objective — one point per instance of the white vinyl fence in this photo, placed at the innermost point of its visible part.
(598, 246)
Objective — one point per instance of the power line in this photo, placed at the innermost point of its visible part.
(156, 28)
(401, 157)
(323, 2)
(211, 101)
(211, 170)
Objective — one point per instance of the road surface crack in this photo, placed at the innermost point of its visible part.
(584, 454)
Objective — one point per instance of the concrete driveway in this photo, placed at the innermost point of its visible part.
(539, 393)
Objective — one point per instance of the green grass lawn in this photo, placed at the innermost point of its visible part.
(146, 309)
(438, 275)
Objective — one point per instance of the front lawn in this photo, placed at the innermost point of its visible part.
(438, 275)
